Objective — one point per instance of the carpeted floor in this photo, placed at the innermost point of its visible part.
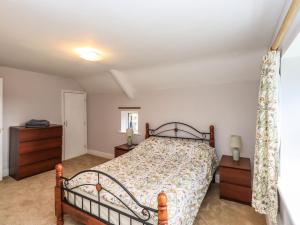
(31, 201)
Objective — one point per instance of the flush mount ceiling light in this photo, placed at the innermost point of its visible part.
(89, 54)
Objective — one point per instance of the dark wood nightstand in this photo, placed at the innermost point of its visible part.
(235, 179)
(122, 149)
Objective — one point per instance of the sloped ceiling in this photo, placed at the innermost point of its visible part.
(198, 41)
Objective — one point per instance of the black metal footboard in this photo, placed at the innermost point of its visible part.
(99, 209)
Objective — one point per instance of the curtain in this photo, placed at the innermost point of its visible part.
(266, 158)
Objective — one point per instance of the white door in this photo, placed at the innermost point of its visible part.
(75, 130)
(1, 127)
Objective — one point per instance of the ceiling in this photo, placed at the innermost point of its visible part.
(133, 34)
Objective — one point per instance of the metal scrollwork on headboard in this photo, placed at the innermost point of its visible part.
(181, 130)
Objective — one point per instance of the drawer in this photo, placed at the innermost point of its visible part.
(119, 152)
(235, 192)
(235, 176)
(33, 146)
(31, 134)
(32, 169)
(33, 157)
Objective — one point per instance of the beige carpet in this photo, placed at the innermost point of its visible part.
(31, 201)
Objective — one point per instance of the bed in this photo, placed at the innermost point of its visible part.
(162, 181)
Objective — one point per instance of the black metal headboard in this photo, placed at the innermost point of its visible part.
(181, 130)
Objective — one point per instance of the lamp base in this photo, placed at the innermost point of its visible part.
(129, 141)
(236, 155)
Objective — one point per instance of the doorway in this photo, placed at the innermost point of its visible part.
(75, 125)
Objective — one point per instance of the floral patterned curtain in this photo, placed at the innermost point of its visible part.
(266, 158)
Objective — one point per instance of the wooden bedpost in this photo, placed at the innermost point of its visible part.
(147, 134)
(162, 209)
(212, 136)
(58, 195)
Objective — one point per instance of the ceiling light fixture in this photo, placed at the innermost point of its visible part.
(89, 54)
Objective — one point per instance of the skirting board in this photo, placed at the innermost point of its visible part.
(5, 172)
(90, 151)
(100, 154)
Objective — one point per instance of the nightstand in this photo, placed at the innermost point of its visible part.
(122, 149)
(235, 179)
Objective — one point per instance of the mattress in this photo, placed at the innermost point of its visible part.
(182, 168)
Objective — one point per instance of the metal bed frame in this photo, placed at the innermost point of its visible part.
(64, 189)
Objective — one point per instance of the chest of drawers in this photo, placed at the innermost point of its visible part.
(122, 149)
(34, 150)
(235, 179)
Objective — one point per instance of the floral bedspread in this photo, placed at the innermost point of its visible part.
(182, 168)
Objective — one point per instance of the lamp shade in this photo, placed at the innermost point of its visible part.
(129, 132)
(235, 141)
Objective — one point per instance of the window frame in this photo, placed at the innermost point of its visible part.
(125, 124)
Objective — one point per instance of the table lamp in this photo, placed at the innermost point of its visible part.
(235, 145)
(129, 135)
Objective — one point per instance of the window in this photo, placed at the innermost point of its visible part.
(129, 119)
(289, 132)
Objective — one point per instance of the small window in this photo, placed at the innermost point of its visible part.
(129, 119)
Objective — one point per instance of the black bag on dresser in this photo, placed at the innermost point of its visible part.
(37, 123)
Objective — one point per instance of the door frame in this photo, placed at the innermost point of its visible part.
(63, 92)
(1, 127)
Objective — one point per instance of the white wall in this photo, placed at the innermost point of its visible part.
(290, 145)
(29, 95)
(230, 107)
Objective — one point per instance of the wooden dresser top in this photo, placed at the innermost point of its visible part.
(23, 127)
(126, 147)
(243, 164)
